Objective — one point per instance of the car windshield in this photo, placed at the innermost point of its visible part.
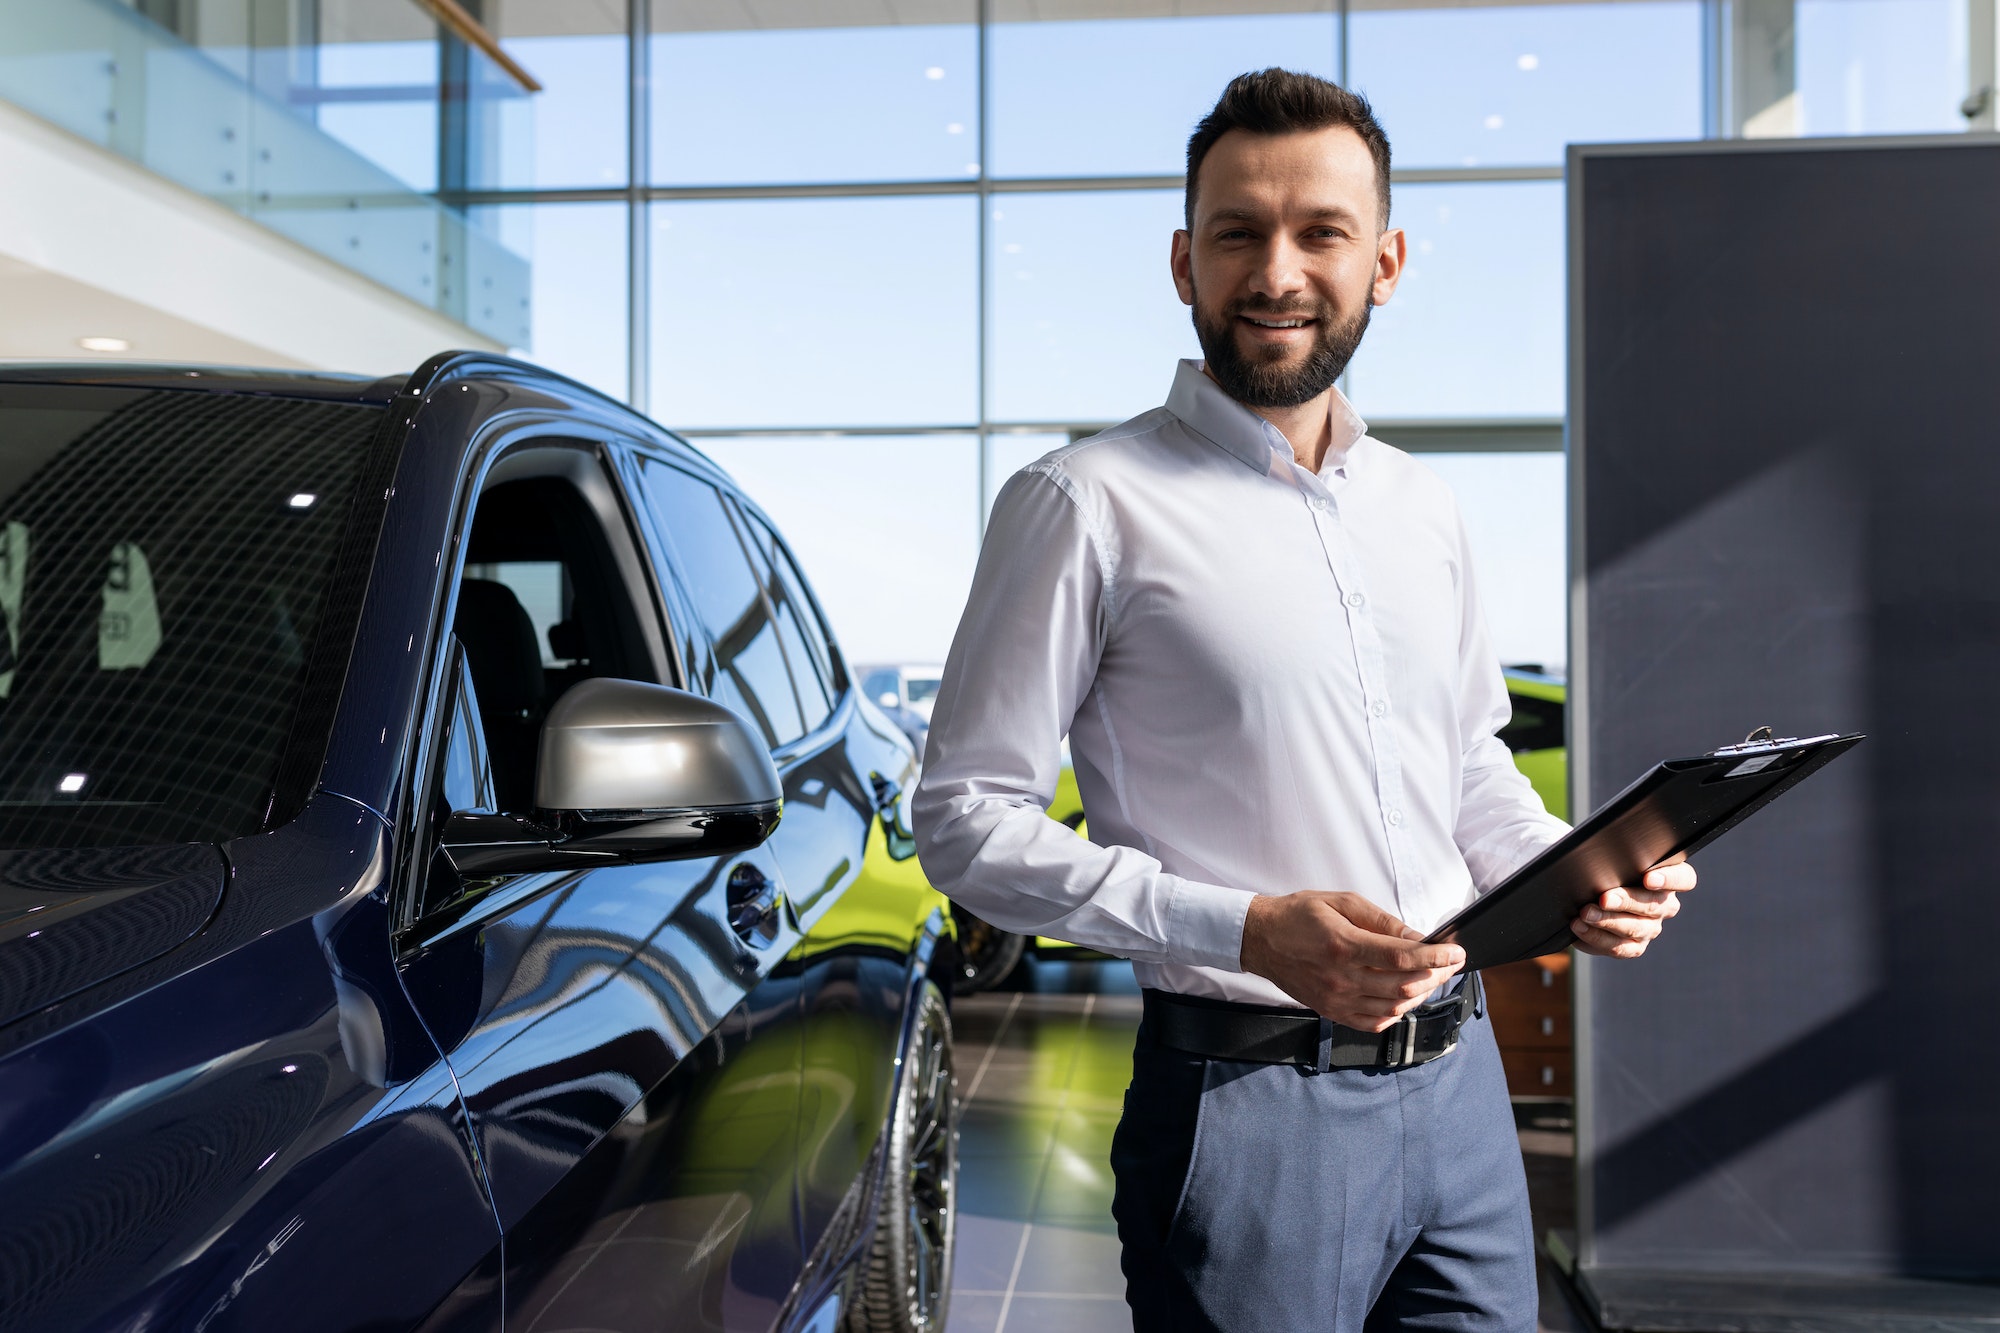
(165, 559)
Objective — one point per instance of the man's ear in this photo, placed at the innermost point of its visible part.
(1389, 255)
(1183, 266)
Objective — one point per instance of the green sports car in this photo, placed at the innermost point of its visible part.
(1534, 734)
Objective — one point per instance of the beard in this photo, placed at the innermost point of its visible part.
(1259, 380)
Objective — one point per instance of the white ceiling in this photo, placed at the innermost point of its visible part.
(47, 313)
(404, 20)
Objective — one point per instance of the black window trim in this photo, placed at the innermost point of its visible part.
(498, 441)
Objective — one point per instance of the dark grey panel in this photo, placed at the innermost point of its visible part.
(1787, 424)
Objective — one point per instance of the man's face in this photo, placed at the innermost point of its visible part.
(1284, 260)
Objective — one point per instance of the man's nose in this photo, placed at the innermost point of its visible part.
(1279, 271)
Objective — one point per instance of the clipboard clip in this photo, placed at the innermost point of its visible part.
(1759, 739)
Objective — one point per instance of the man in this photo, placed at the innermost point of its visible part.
(1259, 629)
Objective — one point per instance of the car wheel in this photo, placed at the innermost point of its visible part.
(907, 1284)
(986, 953)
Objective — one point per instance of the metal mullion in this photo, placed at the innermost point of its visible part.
(983, 16)
(991, 186)
(638, 220)
(1341, 55)
(832, 432)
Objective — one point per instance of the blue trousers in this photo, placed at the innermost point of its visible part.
(1255, 1197)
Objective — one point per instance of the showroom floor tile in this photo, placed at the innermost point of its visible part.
(1043, 1072)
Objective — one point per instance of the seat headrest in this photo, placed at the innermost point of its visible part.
(500, 647)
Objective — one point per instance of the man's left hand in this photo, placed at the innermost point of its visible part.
(1622, 922)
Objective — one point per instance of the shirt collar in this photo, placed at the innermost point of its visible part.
(1204, 408)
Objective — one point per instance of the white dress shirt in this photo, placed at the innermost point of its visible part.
(1270, 680)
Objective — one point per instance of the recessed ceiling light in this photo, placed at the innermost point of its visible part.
(72, 782)
(934, 72)
(104, 344)
(1495, 121)
(1529, 62)
(303, 500)
(954, 128)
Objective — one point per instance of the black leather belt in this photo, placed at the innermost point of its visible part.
(1222, 1030)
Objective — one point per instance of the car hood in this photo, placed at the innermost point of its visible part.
(70, 918)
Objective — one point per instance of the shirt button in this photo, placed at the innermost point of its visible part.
(1355, 599)
(1379, 709)
(1395, 816)
(1319, 503)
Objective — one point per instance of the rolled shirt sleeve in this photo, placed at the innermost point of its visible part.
(1023, 662)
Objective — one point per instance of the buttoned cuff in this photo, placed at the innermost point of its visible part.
(1205, 924)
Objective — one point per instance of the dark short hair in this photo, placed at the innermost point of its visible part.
(1279, 101)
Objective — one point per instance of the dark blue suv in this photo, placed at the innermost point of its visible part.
(449, 879)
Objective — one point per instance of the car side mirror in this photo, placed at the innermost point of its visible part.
(628, 773)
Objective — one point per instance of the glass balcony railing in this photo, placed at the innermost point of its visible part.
(237, 119)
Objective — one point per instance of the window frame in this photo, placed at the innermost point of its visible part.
(500, 445)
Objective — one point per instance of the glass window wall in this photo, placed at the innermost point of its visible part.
(576, 321)
(834, 99)
(1509, 85)
(834, 242)
(883, 526)
(1475, 328)
(815, 312)
(1881, 66)
(1515, 521)
(572, 133)
(1119, 96)
(1086, 325)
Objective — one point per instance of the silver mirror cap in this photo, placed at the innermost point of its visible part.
(616, 745)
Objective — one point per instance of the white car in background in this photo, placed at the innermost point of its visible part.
(906, 692)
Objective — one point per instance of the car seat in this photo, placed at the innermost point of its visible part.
(505, 657)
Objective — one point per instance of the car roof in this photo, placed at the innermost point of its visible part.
(324, 385)
(381, 390)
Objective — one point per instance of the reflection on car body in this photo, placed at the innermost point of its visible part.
(317, 1011)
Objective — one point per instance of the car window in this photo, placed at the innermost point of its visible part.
(749, 673)
(804, 655)
(167, 561)
(467, 779)
(542, 604)
(884, 688)
(812, 623)
(1537, 724)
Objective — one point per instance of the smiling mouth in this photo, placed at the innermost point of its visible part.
(1275, 323)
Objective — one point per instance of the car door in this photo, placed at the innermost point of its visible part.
(855, 959)
(628, 1060)
(765, 644)
(844, 846)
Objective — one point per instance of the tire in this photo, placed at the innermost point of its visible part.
(986, 953)
(906, 1286)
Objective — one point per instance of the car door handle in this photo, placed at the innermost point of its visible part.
(895, 815)
(755, 904)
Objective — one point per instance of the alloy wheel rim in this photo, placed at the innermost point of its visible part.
(932, 1162)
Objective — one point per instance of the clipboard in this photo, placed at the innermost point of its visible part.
(1682, 805)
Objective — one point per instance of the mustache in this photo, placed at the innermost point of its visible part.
(1267, 308)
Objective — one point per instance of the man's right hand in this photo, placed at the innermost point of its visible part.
(1343, 957)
